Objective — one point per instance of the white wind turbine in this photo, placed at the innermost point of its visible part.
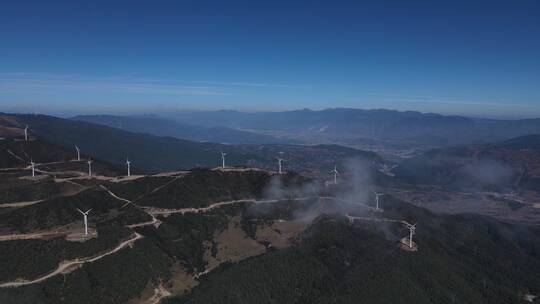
(89, 167)
(377, 195)
(26, 133)
(223, 154)
(33, 167)
(85, 215)
(128, 163)
(335, 172)
(280, 160)
(78, 153)
(412, 231)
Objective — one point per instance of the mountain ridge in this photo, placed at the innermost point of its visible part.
(346, 124)
(155, 125)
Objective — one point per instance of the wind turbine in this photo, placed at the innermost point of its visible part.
(279, 164)
(85, 214)
(26, 133)
(78, 153)
(128, 163)
(377, 195)
(412, 231)
(33, 167)
(223, 159)
(89, 167)
(336, 172)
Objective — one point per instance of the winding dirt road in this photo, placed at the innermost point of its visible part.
(20, 204)
(126, 201)
(29, 236)
(374, 219)
(154, 222)
(65, 265)
(164, 211)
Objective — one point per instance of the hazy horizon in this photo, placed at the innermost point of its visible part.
(167, 112)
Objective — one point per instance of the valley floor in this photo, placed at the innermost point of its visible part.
(523, 208)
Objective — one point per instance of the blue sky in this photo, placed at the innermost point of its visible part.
(477, 58)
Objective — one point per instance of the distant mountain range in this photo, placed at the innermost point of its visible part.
(159, 126)
(354, 126)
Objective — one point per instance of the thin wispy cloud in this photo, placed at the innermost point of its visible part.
(32, 82)
(253, 84)
(125, 83)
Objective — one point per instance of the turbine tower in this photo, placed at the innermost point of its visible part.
(412, 231)
(26, 133)
(89, 167)
(78, 153)
(33, 168)
(335, 172)
(223, 159)
(128, 163)
(85, 215)
(377, 195)
(279, 164)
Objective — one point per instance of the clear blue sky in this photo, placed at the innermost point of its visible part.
(464, 57)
